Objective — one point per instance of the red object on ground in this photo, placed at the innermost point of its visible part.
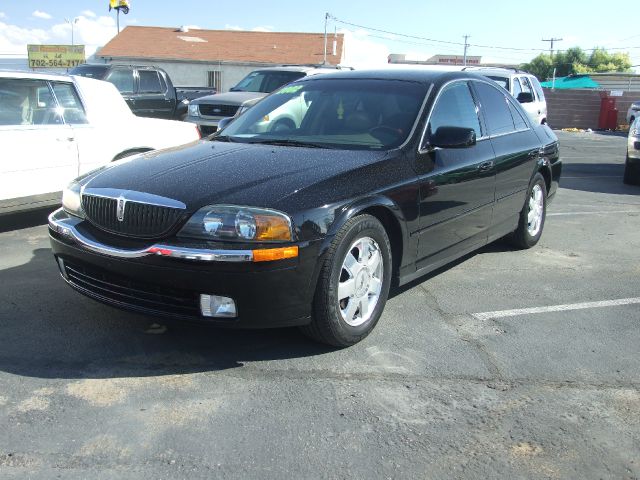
(608, 114)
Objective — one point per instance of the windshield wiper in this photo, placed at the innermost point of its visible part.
(287, 142)
(223, 138)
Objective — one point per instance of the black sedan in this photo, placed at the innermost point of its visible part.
(306, 208)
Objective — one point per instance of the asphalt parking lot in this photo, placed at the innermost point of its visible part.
(506, 364)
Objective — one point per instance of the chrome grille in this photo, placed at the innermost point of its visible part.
(222, 110)
(139, 220)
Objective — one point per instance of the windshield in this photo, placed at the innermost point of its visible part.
(88, 71)
(332, 113)
(265, 81)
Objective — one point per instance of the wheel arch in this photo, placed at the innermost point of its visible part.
(387, 212)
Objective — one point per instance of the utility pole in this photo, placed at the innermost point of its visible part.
(551, 40)
(464, 56)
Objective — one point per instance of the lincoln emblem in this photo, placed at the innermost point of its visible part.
(120, 211)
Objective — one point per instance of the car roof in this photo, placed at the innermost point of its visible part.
(407, 74)
(299, 68)
(497, 71)
(35, 75)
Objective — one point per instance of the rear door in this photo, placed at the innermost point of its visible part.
(39, 153)
(457, 185)
(516, 147)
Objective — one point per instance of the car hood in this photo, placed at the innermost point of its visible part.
(211, 172)
(229, 98)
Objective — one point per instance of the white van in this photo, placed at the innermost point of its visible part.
(522, 85)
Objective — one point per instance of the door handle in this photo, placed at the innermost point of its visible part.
(485, 166)
(65, 139)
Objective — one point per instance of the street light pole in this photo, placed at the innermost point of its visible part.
(72, 22)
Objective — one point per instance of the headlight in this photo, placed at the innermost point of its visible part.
(71, 200)
(194, 110)
(230, 222)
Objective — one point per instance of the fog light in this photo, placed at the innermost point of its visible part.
(217, 306)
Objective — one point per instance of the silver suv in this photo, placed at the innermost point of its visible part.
(207, 111)
(523, 86)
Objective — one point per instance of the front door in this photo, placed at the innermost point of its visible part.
(457, 185)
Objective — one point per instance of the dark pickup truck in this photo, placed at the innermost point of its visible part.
(147, 90)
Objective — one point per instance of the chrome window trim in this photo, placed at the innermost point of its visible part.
(134, 196)
(67, 228)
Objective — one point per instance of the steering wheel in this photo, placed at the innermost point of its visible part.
(382, 132)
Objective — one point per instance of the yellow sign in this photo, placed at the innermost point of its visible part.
(55, 56)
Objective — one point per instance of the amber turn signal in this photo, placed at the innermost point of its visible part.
(271, 254)
(272, 227)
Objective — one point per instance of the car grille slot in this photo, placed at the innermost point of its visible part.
(130, 293)
(218, 110)
(140, 219)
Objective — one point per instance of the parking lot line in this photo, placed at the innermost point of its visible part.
(601, 212)
(555, 308)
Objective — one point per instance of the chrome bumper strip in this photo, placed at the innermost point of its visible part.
(66, 226)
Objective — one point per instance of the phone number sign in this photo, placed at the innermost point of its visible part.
(55, 56)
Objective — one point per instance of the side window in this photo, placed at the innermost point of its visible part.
(26, 102)
(122, 79)
(526, 87)
(495, 106)
(149, 82)
(455, 108)
(517, 89)
(69, 102)
(538, 88)
(518, 119)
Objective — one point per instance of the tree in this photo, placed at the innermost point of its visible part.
(576, 61)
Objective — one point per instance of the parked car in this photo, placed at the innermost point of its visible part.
(56, 127)
(389, 175)
(523, 86)
(207, 111)
(148, 91)
(632, 163)
(632, 112)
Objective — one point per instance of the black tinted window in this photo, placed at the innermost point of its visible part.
(495, 105)
(149, 82)
(518, 120)
(122, 79)
(455, 108)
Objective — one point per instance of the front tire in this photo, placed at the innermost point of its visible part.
(532, 215)
(353, 284)
(631, 173)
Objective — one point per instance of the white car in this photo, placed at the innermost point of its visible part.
(632, 163)
(54, 128)
(523, 86)
(632, 112)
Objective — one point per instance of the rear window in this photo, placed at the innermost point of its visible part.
(90, 71)
(266, 81)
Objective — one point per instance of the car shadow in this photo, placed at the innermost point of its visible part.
(597, 178)
(47, 330)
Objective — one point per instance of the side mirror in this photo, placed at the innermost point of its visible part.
(453, 137)
(223, 122)
(525, 97)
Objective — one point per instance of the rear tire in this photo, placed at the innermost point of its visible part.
(631, 173)
(532, 215)
(353, 284)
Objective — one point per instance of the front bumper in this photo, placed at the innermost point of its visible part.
(207, 125)
(167, 280)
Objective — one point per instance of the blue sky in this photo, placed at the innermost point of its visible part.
(500, 31)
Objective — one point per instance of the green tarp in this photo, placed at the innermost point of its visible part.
(573, 81)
